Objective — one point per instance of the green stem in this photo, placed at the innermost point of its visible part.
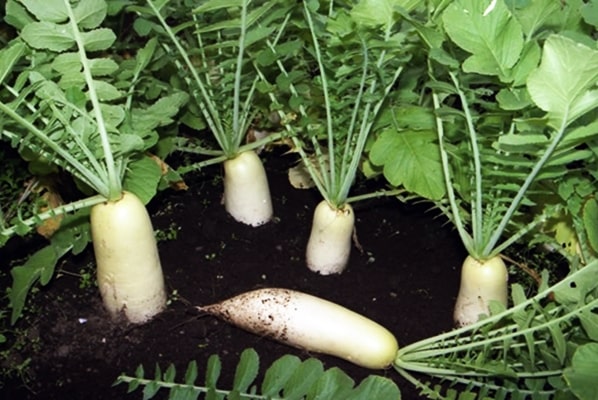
(476, 206)
(466, 238)
(526, 184)
(51, 213)
(114, 179)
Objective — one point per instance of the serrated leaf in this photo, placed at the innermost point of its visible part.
(47, 35)
(411, 159)
(246, 371)
(47, 10)
(560, 85)
(489, 32)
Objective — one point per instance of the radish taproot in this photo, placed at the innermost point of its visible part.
(481, 282)
(246, 191)
(129, 272)
(329, 244)
(311, 323)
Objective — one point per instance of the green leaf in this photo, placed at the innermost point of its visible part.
(9, 56)
(98, 39)
(534, 14)
(303, 378)
(142, 177)
(561, 84)
(375, 12)
(213, 369)
(581, 375)
(376, 387)
(47, 35)
(106, 91)
(247, 370)
(590, 222)
(589, 11)
(47, 10)
(333, 384)
(278, 374)
(17, 15)
(490, 33)
(89, 14)
(39, 264)
(411, 159)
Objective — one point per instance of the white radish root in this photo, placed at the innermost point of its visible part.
(481, 282)
(311, 323)
(246, 191)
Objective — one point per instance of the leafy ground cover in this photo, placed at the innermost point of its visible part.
(72, 349)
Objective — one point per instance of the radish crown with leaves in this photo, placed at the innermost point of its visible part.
(73, 104)
(351, 50)
(213, 47)
(498, 161)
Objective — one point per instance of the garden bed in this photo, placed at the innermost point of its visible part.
(405, 277)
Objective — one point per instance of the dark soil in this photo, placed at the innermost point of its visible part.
(405, 278)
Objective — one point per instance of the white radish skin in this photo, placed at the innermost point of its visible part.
(481, 282)
(129, 272)
(311, 323)
(329, 245)
(246, 190)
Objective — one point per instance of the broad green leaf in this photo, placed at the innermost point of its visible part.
(561, 84)
(581, 375)
(411, 159)
(590, 222)
(47, 10)
(47, 35)
(534, 14)
(113, 116)
(489, 33)
(513, 99)
(98, 39)
(102, 66)
(247, 370)
(89, 14)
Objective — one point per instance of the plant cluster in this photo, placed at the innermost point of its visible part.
(486, 109)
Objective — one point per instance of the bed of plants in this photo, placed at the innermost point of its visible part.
(281, 199)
